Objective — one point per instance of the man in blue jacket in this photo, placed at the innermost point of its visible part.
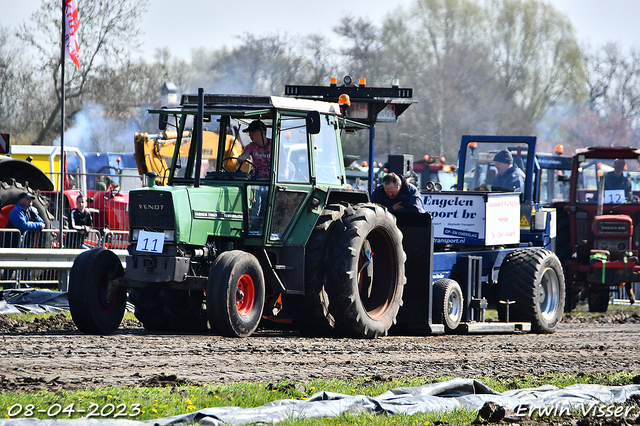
(510, 178)
(398, 195)
(24, 216)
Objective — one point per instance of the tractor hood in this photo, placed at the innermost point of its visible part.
(192, 213)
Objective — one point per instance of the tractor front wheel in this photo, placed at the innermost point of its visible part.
(97, 299)
(235, 294)
(598, 299)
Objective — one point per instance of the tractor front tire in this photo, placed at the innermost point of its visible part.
(598, 299)
(366, 264)
(96, 300)
(235, 294)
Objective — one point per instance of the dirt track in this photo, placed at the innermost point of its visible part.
(51, 354)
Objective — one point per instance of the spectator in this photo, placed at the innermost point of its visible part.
(398, 195)
(81, 221)
(100, 185)
(25, 217)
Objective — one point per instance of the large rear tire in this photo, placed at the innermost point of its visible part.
(448, 304)
(235, 294)
(170, 310)
(533, 279)
(96, 299)
(366, 263)
(149, 309)
(310, 312)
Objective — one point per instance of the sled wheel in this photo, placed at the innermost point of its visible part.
(366, 263)
(310, 313)
(533, 279)
(96, 299)
(448, 303)
(235, 294)
(598, 299)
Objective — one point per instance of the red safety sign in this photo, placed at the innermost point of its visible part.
(4, 143)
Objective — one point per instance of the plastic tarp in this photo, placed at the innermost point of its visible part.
(32, 301)
(437, 397)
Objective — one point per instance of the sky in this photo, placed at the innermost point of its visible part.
(187, 24)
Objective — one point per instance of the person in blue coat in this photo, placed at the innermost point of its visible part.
(510, 178)
(25, 217)
(398, 195)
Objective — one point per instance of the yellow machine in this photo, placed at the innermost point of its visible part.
(154, 152)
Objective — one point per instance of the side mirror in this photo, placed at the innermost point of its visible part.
(313, 122)
(89, 200)
(163, 119)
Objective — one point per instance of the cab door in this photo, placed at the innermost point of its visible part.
(293, 178)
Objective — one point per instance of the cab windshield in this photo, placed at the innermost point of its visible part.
(480, 170)
(617, 180)
(234, 139)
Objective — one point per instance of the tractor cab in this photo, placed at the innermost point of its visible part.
(261, 198)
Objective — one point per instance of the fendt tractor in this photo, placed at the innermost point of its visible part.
(219, 249)
(601, 243)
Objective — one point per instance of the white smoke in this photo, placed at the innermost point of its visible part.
(92, 131)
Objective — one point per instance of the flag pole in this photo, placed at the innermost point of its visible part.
(61, 183)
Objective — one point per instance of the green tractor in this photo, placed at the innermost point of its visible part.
(223, 245)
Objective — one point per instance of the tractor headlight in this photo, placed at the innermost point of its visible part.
(169, 235)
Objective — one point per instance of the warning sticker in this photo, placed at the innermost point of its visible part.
(524, 222)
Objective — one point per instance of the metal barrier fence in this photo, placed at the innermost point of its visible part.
(36, 259)
(109, 208)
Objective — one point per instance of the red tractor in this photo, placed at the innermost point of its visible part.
(599, 226)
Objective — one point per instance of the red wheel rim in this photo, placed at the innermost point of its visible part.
(245, 295)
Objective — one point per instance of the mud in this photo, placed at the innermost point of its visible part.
(50, 354)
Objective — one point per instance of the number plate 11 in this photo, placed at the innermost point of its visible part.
(152, 242)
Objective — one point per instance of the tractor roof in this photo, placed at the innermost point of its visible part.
(247, 105)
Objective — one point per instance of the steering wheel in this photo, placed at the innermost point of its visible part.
(251, 171)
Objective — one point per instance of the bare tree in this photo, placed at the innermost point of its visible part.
(261, 65)
(536, 51)
(107, 36)
(600, 69)
(7, 76)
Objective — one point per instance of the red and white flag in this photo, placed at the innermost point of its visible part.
(71, 32)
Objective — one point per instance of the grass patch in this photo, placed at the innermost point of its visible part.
(144, 403)
(583, 310)
(29, 317)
